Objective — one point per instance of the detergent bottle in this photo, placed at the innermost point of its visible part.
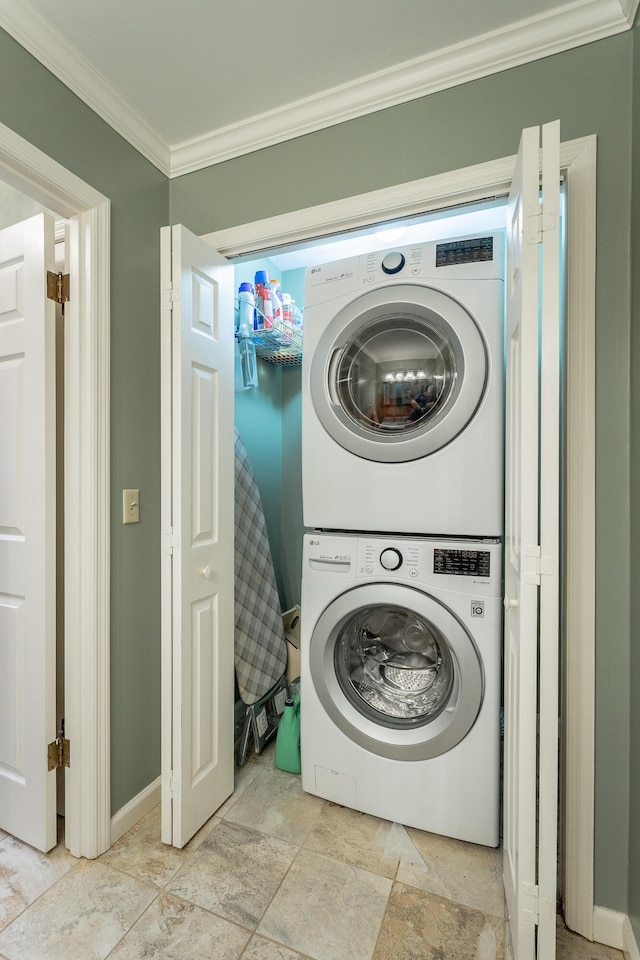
(246, 346)
(264, 303)
(276, 298)
(288, 738)
(246, 305)
(287, 312)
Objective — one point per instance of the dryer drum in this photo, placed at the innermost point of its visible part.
(376, 394)
(395, 382)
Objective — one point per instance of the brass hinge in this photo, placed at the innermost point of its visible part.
(59, 751)
(57, 287)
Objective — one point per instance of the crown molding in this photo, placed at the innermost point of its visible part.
(629, 10)
(49, 46)
(572, 25)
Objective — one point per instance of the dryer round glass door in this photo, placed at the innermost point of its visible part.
(396, 671)
(398, 373)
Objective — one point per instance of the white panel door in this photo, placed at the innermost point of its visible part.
(198, 533)
(550, 358)
(532, 289)
(27, 533)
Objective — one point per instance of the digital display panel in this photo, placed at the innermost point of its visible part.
(462, 563)
(464, 251)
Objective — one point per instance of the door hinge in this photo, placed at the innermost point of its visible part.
(172, 295)
(169, 541)
(59, 751)
(531, 902)
(537, 223)
(537, 566)
(171, 783)
(58, 287)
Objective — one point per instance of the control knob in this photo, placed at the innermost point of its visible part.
(393, 263)
(391, 559)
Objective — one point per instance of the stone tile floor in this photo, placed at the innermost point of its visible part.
(275, 875)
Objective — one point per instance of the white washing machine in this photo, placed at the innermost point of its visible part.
(400, 679)
(402, 397)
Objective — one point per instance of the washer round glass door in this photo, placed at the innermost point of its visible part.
(398, 373)
(396, 671)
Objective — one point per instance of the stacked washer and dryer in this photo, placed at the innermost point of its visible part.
(402, 475)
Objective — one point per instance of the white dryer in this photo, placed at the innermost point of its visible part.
(400, 679)
(402, 396)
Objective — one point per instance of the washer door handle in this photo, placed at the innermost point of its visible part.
(331, 379)
(509, 602)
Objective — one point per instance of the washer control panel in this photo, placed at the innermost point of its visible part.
(469, 567)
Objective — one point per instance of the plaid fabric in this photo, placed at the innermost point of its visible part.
(260, 647)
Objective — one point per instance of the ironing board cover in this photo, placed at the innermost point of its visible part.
(260, 647)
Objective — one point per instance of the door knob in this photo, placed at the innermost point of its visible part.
(508, 602)
(207, 572)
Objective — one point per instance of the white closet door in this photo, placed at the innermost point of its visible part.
(550, 358)
(27, 533)
(198, 533)
(531, 444)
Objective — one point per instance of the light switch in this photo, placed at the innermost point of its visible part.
(131, 506)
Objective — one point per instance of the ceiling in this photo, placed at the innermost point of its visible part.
(198, 82)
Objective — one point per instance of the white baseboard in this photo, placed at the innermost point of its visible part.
(614, 929)
(141, 804)
(608, 927)
(631, 950)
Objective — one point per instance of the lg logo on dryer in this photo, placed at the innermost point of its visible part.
(477, 608)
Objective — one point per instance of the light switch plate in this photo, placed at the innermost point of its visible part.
(131, 506)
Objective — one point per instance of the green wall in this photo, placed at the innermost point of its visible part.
(43, 111)
(589, 89)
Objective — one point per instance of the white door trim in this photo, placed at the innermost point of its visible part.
(578, 163)
(87, 535)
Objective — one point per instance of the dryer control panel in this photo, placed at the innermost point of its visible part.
(461, 258)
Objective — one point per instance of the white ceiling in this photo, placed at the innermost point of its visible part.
(199, 81)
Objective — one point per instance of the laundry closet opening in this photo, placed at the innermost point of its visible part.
(268, 418)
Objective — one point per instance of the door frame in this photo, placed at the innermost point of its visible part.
(475, 183)
(86, 470)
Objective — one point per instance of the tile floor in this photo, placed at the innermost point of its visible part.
(275, 875)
